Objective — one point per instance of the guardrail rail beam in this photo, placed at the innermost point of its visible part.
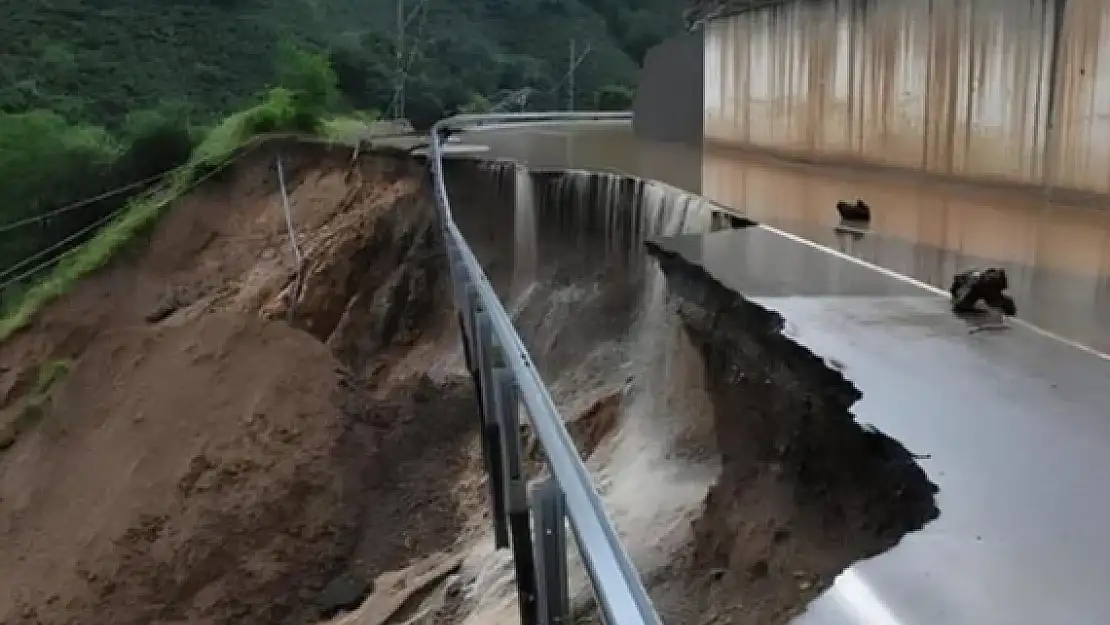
(505, 378)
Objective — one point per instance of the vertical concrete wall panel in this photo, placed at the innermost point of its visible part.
(669, 105)
(962, 87)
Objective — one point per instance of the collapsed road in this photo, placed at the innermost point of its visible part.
(1011, 427)
(780, 433)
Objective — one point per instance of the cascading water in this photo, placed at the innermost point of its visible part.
(664, 432)
(606, 214)
(524, 235)
(591, 306)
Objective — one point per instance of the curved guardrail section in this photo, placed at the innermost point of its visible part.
(532, 524)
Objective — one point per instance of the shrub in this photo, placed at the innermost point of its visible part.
(614, 98)
(280, 111)
(309, 78)
(154, 141)
(46, 163)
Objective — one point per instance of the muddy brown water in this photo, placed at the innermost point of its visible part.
(1058, 257)
(565, 251)
(1057, 254)
(659, 407)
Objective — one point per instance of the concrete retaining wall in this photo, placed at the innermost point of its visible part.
(972, 88)
(669, 99)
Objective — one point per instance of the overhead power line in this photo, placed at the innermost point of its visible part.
(83, 203)
(27, 261)
(101, 222)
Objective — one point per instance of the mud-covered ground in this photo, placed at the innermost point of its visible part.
(184, 445)
(197, 459)
(763, 488)
(804, 489)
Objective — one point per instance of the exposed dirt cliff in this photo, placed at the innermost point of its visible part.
(804, 489)
(201, 434)
(763, 487)
(198, 453)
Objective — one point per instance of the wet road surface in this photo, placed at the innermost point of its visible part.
(1015, 423)
(1058, 257)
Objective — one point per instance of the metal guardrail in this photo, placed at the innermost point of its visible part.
(505, 377)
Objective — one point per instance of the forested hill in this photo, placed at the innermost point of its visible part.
(95, 61)
(98, 97)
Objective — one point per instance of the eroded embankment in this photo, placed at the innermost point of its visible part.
(564, 251)
(763, 488)
(804, 490)
(200, 453)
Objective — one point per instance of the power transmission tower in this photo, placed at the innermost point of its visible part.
(403, 19)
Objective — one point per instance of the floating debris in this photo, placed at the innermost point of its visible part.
(856, 211)
(972, 286)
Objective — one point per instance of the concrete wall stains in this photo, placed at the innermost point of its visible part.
(669, 104)
(973, 88)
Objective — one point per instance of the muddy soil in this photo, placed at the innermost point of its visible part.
(203, 454)
(804, 490)
(763, 486)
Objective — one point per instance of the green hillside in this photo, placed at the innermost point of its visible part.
(98, 94)
(97, 60)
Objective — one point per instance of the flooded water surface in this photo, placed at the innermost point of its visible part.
(642, 347)
(1057, 255)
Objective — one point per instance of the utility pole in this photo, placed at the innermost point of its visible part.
(570, 78)
(399, 88)
(574, 62)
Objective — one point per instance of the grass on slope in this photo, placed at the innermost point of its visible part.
(220, 147)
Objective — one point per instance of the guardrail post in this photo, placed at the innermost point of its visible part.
(468, 358)
(470, 320)
(466, 305)
(457, 272)
(489, 356)
(501, 371)
(516, 495)
(551, 553)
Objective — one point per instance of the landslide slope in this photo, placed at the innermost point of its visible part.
(179, 446)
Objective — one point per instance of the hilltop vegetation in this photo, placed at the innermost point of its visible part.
(99, 60)
(97, 94)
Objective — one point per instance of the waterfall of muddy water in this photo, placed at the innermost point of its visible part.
(617, 362)
(524, 230)
(656, 468)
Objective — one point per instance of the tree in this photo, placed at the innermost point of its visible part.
(478, 103)
(46, 163)
(309, 77)
(154, 140)
(364, 71)
(613, 98)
